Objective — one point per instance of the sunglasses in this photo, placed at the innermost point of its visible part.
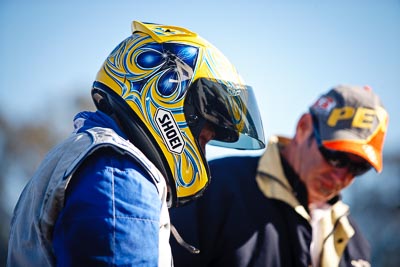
(339, 159)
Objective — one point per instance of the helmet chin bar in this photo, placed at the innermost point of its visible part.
(112, 104)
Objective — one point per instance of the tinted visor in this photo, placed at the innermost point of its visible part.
(230, 108)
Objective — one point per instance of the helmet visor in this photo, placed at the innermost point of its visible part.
(231, 109)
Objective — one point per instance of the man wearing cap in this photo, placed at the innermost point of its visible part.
(284, 208)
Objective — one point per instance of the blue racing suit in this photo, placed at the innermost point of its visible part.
(96, 200)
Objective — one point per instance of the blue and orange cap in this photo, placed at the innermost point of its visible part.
(352, 119)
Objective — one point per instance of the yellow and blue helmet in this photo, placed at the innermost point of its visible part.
(163, 83)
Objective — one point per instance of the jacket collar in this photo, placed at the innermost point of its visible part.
(271, 177)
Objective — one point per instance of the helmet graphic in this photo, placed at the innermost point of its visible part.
(163, 83)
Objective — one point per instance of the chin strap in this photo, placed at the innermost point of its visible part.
(182, 242)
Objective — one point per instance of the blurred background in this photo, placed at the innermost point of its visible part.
(289, 51)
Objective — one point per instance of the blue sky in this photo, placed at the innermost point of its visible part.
(289, 51)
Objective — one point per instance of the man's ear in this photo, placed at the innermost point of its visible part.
(304, 128)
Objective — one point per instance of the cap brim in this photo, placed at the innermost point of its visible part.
(363, 150)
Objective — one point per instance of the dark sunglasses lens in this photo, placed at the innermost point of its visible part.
(339, 159)
(334, 158)
(359, 168)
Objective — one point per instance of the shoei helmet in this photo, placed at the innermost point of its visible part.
(163, 83)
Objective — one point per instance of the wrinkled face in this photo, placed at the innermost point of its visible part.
(323, 181)
(322, 177)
